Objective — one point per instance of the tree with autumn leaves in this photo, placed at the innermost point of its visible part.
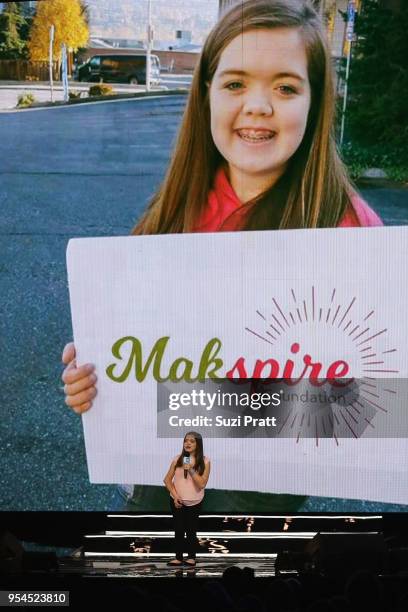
(71, 28)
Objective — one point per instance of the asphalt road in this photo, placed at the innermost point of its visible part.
(67, 172)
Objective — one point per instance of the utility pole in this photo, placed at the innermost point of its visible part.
(351, 12)
(321, 9)
(149, 44)
(52, 31)
(64, 69)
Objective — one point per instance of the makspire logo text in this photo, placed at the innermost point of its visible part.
(325, 317)
(139, 363)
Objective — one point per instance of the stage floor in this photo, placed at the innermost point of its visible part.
(208, 566)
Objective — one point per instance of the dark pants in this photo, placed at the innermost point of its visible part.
(185, 522)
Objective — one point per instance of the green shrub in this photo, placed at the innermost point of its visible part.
(377, 111)
(74, 94)
(101, 90)
(25, 100)
(392, 159)
(376, 126)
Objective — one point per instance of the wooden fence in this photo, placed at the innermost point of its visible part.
(24, 70)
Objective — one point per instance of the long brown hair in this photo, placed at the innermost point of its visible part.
(314, 191)
(199, 453)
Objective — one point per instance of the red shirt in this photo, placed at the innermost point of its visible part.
(223, 201)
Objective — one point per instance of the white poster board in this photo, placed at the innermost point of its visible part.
(297, 298)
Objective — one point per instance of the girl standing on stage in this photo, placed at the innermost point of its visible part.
(256, 147)
(186, 482)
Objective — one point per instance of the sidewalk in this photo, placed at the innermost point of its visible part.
(11, 90)
(72, 85)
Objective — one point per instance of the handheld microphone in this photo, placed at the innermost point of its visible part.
(186, 461)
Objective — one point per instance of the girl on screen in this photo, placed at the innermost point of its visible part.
(186, 480)
(256, 148)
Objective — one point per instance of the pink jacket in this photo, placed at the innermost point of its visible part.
(223, 201)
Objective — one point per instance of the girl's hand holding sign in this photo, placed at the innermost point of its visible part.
(79, 382)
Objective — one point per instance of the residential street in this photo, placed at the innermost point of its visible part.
(85, 170)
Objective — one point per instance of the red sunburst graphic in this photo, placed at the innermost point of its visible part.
(369, 343)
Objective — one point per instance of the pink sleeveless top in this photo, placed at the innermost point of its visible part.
(186, 488)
